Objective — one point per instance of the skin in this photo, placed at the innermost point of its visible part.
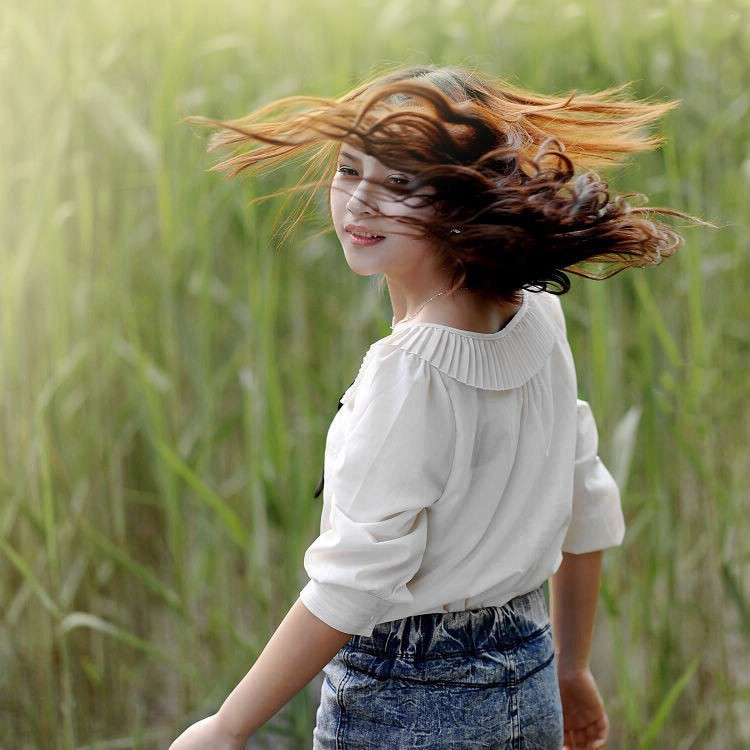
(574, 593)
(299, 649)
(359, 193)
(303, 644)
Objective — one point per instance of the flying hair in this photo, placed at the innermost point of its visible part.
(513, 169)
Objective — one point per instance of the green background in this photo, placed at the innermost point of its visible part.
(168, 372)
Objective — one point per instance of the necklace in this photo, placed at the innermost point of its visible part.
(414, 314)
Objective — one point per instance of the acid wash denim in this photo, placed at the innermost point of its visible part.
(480, 678)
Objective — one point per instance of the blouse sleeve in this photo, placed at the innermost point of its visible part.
(393, 462)
(597, 521)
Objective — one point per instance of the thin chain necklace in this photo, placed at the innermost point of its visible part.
(414, 314)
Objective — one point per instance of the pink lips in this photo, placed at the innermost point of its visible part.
(364, 241)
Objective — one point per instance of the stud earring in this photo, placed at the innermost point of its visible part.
(455, 230)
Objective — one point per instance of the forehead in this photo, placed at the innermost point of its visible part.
(354, 154)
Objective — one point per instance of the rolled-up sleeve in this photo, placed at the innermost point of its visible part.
(393, 462)
(597, 521)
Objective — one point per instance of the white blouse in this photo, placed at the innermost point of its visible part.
(458, 468)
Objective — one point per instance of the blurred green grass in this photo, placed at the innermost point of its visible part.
(167, 377)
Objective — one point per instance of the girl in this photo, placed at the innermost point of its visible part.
(461, 470)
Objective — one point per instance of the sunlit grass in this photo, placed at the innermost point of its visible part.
(167, 378)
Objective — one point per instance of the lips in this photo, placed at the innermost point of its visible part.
(352, 228)
(364, 241)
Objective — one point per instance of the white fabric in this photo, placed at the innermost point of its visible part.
(457, 470)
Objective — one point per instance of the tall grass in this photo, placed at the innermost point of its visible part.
(167, 377)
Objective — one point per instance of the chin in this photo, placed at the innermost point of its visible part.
(362, 271)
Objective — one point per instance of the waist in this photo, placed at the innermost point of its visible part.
(442, 634)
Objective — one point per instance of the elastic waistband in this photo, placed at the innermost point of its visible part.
(441, 634)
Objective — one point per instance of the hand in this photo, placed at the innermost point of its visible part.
(585, 722)
(206, 734)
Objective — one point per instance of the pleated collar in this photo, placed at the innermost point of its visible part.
(494, 361)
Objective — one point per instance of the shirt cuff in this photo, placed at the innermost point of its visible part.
(598, 521)
(345, 609)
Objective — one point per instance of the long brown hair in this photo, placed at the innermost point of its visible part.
(475, 145)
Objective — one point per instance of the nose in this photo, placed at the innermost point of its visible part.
(362, 200)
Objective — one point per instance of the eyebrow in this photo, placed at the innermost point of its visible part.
(349, 156)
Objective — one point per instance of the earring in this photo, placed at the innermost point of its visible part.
(455, 230)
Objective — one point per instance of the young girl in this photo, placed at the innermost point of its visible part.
(461, 470)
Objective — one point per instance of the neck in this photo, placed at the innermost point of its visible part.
(460, 309)
(406, 301)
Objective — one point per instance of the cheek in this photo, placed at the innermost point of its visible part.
(338, 201)
(412, 226)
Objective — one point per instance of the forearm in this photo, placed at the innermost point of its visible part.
(574, 594)
(299, 649)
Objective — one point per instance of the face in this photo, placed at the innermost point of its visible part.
(361, 200)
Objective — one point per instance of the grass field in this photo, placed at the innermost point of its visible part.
(167, 375)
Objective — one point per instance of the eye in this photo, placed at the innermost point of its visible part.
(349, 172)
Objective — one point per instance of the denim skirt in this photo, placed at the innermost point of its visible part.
(479, 678)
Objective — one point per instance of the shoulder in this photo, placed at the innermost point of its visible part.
(551, 306)
(387, 367)
(398, 400)
(389, 372)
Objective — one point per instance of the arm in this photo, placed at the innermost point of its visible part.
(299, 649)
(597, 522)
(393, 462)
(574, 593)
